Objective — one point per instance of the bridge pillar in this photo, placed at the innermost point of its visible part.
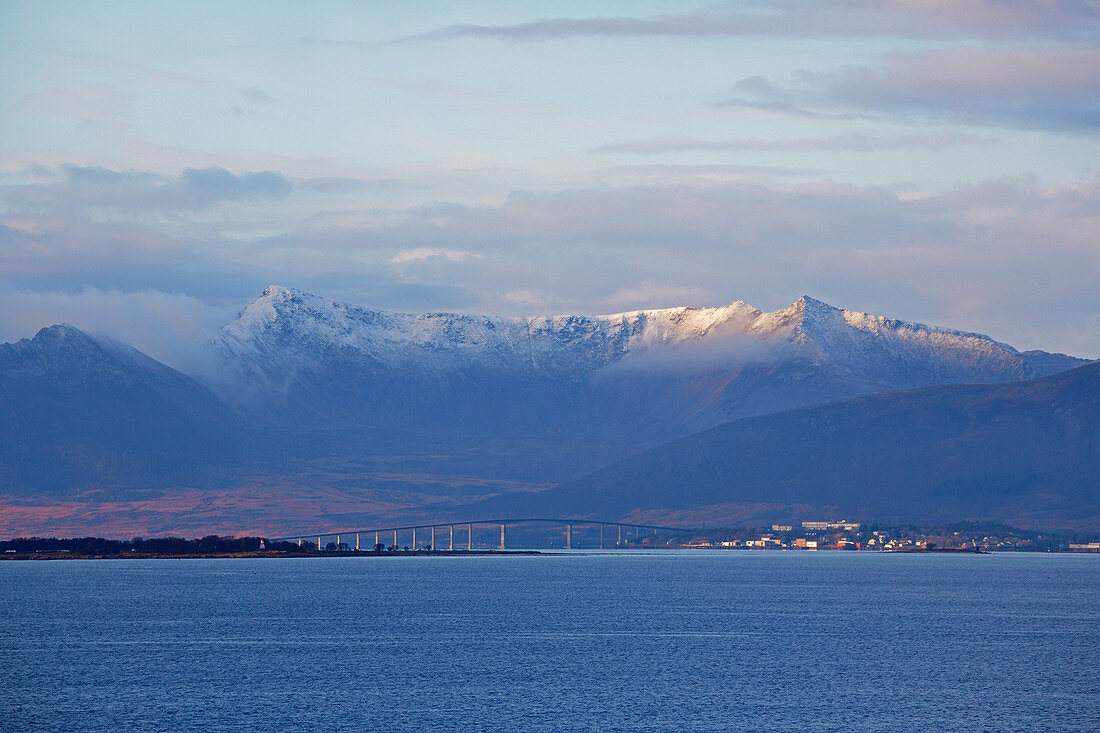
(357, 542)
(299, 542)
(502, 535)
(601, 536)
(414, 538)
(432, 545)
(451, 541)
(376, 539)
(469, 536)
(319, 547)
(395, 539)
(569, 536)
(337, 543)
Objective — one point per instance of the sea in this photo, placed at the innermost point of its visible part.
(614, 641)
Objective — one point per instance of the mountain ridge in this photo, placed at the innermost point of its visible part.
(338, 412)
(79, 412)
(1026, 452)
(668, 324)
(354, 326)
(291, 355)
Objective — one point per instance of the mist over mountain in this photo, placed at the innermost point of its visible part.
(1024, 453)
(321, 412)
(300, 357)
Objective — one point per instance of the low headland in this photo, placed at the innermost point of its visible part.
(211, 546)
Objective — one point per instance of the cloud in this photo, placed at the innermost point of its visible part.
(654, 295)
(988, 19)
(854, 141)
(526, 297)
(344, 184)
(711, 170)
(170, 327)
(89, 187)
(1038, 88)
(203, 187)
(989, 257)
(1008, 257)
(719, 351)
(420, 254)
(640, 216)
(787, 108)
(35, 243)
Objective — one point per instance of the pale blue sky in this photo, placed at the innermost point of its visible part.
(160, 163)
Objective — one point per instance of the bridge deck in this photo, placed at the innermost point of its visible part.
(478, 523)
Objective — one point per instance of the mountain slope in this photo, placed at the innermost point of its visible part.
(79, 412)
(297, 356)
(347, 416)
(1024, 453)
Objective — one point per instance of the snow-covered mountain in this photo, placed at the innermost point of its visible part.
(297, 354)
(331, 413)
(284, 325)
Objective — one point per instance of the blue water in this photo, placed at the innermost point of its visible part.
(676, 642)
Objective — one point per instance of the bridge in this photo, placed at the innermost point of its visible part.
(384, 533)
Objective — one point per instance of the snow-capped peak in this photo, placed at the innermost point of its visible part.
(321, 321)
(288, 330)
(280, 307)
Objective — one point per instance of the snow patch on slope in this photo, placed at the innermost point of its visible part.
(284, 320)
(286, 331)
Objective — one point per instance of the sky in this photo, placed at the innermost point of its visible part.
(929, 160)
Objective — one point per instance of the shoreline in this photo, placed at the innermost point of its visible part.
(275, 554)
(260, 554)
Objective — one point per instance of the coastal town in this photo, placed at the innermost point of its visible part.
(816, 535)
